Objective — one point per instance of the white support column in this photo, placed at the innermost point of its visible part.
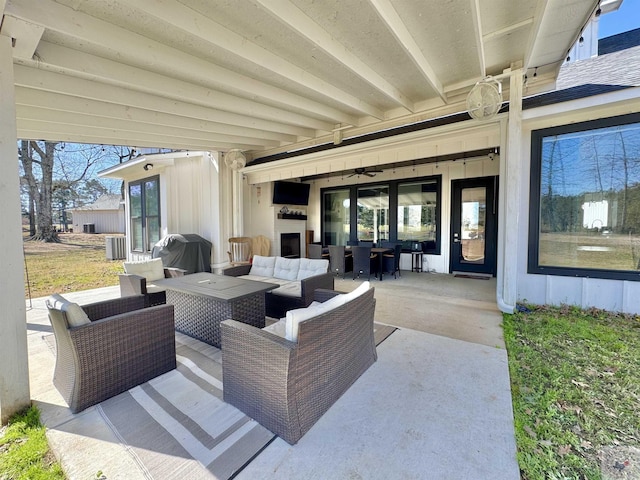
(238, 204)
(14, 367)
(510, 173)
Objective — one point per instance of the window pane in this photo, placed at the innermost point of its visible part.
(336, 207)
(373, 213)
(152, 211)
(417, 205)
(590, 199)
(135, 203)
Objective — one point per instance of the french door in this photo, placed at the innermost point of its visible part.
(474, 225)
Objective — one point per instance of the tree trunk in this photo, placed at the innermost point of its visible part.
(45, 231)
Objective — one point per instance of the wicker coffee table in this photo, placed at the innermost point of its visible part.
(202, 300)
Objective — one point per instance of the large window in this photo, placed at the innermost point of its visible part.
(585, 199)
(336, 217)
(407, 211)
(373, 213)
(417, 212)
(144, 201)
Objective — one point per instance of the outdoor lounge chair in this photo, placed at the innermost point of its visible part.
(139, 277)
(108, 347)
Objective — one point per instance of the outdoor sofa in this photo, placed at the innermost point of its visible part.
(297, 279)
(287, 375)
(108, 347)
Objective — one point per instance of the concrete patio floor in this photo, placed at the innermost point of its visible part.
(435, 405)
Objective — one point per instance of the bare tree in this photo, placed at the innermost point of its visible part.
(40, 191)
(48, 167)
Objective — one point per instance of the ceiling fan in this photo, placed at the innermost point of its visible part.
(363, 171)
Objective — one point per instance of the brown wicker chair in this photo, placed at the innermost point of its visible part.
(124, 345)
(287, 386)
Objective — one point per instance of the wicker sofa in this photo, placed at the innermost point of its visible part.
(108, 347)
(288, 385)
(297, 279)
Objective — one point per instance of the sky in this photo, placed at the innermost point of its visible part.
(626, 18)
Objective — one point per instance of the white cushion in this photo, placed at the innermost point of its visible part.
(262, 266)
(76, 316)
(152, 269)
(286, 268)
(294, 317)
(153, 288)
(277, 328)
(362, 288)
(290, 289)
(310, 267)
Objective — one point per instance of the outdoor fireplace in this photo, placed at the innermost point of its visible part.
(290, 245)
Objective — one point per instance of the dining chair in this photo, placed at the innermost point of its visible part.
(391, 261)
(340, 261)
(364, 261)
(315, 251)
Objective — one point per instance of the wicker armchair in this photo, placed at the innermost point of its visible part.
(288, 386)
(139, 277)
(122, 346)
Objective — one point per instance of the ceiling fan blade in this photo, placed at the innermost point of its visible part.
(369, 174)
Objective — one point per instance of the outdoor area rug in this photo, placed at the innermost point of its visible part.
(381, 332)
(177, 425)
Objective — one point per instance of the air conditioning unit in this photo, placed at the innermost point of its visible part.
(116, 248)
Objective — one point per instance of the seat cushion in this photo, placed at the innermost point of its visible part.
(277, 328)
(286, 268)
(290, 289)
(74, 313)
(151, 269)
(310, 267)
(262, 266)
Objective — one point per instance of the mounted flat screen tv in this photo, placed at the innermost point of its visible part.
(290, 193)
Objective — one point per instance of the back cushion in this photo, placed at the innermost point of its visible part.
(152, 269)
(286, 268)
(310, 267)
(262, 266)
(294, 317)
(74, 313)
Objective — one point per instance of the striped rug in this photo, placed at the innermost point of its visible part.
(176, 426)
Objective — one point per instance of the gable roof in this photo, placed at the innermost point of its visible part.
(107, 201)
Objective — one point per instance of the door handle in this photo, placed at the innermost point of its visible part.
(456, 238)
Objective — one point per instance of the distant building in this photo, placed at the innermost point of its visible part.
(106, 215)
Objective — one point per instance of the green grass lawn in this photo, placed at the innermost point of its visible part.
(575, 381)
(24, 452)
(77, 263)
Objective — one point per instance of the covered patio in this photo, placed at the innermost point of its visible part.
(270, 80)
(436, 404)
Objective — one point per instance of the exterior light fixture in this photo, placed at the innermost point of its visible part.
(148, 166)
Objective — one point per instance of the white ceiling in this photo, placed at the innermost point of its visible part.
(267, 76)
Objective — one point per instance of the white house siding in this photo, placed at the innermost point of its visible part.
(105, 221)
(613, 295)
